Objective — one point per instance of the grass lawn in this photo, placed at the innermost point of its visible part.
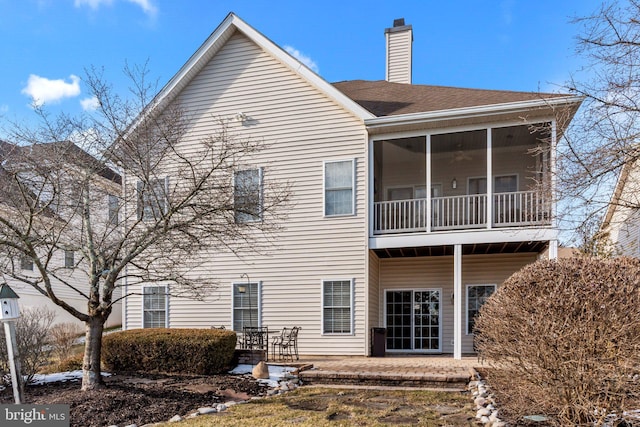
(315, 406)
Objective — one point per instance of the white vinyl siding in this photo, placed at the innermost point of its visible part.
(337, 306)
(154, 307)
(301, 128)
(476, 296)
(246, 305)
(399, 56)
(247, 195)
(338, 188)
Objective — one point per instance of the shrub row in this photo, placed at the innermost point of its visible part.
(188, 351)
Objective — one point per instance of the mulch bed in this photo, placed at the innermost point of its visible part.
(140, 399)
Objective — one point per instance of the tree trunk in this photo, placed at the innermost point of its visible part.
(91, 374)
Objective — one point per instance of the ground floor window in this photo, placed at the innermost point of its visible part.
(154, 307)
(476, 297)
(337, 306)
(246, 305)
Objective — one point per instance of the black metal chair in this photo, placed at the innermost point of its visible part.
(256, 338)
(287, 343)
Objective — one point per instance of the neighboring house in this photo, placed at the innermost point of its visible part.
(621, 224)
(64, 261)
(410, 203)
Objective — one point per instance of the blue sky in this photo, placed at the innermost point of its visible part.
(509, 44)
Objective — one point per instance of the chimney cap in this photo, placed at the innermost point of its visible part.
(398, 25)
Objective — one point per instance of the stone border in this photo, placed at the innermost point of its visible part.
(487, 413)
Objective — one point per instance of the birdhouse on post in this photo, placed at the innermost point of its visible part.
(9, 309)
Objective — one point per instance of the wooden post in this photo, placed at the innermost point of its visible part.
(14, 362)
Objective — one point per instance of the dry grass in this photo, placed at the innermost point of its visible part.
(315, 407)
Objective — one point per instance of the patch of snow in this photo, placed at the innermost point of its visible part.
(40, 379)
(276, 373)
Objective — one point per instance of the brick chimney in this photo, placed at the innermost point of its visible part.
(399, 41)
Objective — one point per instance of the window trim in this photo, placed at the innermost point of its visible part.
(141, 204)
(260, 196)
(258, 284)
(351, 307)
(324, 188)
(467, 287)
(166, 305)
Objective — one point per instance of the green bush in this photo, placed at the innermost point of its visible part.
(564, 340)
(188, 351)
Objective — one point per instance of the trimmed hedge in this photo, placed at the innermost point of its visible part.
(187, 351)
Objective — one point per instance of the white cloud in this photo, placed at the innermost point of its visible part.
(42, 90)
(302, 58)
(4, 108)
(89, 104)
(147, 6)
(93, 4)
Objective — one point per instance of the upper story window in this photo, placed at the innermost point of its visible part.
(26, 263)
(247, 195)
(501, 184)
(152, 199)
(339, 180)
(113, 213)
(69, 259)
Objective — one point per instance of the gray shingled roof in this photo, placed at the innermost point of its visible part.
(384, 98)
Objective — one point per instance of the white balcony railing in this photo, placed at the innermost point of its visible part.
(517, 209)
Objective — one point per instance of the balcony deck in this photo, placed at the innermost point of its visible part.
(509, 210)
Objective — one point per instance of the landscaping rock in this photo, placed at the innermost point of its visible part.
(206, 410)
(175, 419)
(261, 371)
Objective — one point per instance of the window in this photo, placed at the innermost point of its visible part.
(152, 199)
(501, 184)
(476, 297)
(338, 188)
(154, 307)
(69, 259)
(113, 210)
(246, 307)
(26, 263)
(336, 306)
(247, 195)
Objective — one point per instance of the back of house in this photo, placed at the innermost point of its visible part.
(409, 204)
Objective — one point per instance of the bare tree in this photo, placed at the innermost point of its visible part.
(181, 197)
(604, 140)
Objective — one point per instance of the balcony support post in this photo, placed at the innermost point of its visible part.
(457, 302)
(489, 206)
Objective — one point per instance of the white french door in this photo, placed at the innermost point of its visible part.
(413, 320)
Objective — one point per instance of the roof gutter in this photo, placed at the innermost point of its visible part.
(469, 112)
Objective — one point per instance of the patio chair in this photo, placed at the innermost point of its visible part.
(256, 338)
(287, 343)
